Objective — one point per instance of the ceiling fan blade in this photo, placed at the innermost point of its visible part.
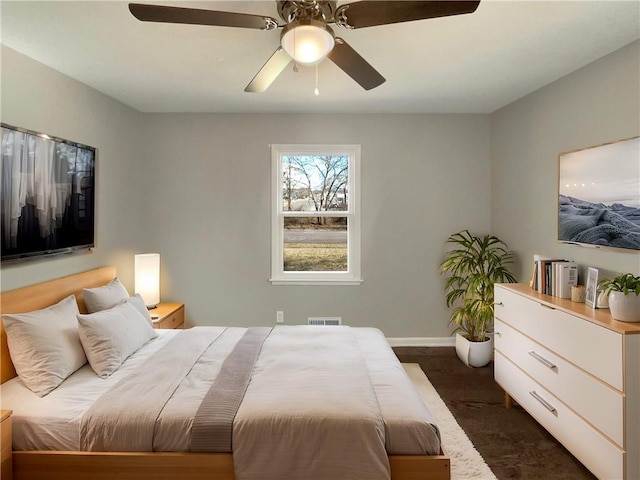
(369, 13)
(269, 71)
(194, 16)
(355, 66)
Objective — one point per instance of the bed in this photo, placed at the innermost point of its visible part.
(59, 458)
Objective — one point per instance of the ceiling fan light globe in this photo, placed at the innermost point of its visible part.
(307, 44)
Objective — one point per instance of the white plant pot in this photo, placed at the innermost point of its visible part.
(625, 308)
(474, 354)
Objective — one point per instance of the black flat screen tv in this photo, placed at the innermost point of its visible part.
(47, 195)
(599, 196)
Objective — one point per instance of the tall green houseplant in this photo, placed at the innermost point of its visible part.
(472, 267)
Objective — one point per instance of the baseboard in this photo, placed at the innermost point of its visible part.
(422, 342)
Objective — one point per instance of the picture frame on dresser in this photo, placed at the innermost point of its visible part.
(591, 296)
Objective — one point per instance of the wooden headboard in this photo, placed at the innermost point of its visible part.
(42, 295)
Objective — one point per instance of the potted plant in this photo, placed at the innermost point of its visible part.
(472, 267)
(624, 296)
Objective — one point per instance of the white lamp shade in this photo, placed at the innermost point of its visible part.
(307, 44)
(147, 270)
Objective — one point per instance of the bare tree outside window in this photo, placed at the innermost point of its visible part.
(319, 181)
(315, 183)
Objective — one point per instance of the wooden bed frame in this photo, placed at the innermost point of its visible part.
(55, 465)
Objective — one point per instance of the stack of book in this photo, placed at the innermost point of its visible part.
(554, 276)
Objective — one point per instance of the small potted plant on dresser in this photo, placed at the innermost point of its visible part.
(624, 296)
(472, 267)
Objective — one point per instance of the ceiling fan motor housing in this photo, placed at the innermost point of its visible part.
(291, 10)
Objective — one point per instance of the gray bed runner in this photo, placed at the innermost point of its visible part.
(213, 424)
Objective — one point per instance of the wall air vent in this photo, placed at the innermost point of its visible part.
(324, 321)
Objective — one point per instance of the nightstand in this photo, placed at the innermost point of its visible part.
(170, 315)
(6, 472)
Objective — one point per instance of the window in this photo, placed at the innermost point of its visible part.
(315, 215)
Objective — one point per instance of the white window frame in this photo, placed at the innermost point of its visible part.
(278, 275)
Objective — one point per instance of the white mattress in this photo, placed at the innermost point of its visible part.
(53, 422)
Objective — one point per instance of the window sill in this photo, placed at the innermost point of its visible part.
(331, 282)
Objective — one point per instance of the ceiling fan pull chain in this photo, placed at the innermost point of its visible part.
(316, 92)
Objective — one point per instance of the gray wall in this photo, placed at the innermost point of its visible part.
(597, 104)
(196, 188)
(423, 177)
(38, 98)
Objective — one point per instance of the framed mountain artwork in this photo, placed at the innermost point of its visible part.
(599, 196)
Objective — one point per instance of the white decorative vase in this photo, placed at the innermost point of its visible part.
(625, 308)
(474, 354)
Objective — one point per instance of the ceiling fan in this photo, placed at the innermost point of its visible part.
(306, 36)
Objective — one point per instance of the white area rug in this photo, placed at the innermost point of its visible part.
(466, 462)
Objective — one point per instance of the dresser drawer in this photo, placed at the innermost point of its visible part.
(587, 345)
(585, 394)
(596, 452)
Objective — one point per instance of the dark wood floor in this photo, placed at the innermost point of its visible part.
(512, 443)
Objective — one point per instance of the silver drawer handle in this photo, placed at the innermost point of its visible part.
(499, 303)
(544, 403)
(547, 306)
(543, 360)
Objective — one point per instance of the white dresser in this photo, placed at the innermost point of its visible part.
(576, 371)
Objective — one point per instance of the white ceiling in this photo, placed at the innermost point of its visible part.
(473, 63)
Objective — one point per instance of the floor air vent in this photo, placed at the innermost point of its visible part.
(324, 321)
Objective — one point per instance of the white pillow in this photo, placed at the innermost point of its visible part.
(109, 337)
(102, 298)
(44, 345)
(137, 301)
